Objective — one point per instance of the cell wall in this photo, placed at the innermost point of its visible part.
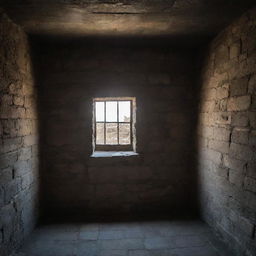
(18, 138)
(227, 135)
(161, 178)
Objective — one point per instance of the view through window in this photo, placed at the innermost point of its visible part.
(113, 119)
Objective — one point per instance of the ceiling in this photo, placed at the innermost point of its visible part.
(184, 18)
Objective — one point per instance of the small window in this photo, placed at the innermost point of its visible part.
(114, 124)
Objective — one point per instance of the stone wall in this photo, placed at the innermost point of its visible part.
(18, 138)
(160, 178)
(227, 132)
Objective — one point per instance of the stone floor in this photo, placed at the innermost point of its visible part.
(149, 238)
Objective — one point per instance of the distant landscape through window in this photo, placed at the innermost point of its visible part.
(113, 120)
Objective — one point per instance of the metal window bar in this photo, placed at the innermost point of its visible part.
(104, 123)
(117, 122)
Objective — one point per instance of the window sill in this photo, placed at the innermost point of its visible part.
(113, 153)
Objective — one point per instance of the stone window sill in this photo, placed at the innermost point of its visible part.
(113, 154)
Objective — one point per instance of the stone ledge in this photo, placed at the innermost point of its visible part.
(114, 154)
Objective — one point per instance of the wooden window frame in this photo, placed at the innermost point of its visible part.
(115, 147)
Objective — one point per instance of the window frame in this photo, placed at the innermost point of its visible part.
(115, 147)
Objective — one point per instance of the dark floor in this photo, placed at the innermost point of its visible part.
(149, 238)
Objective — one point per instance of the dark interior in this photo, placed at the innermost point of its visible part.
(191, 187)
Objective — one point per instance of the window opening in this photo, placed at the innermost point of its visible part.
(114, 126)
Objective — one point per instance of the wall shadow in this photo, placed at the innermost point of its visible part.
(163, 75)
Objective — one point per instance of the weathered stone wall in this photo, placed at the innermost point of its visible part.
(18, 138)
(160, 178)
(227, 131)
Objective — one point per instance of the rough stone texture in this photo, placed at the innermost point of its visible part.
(18, 139)
(227, 149)
(141, 238)
(188, 21)
(160, 178)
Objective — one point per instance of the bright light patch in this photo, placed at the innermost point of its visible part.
(111, 111)
(100, 110)
(124, 111)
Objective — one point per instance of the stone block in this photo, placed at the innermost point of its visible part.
(10, 128)
(222, 92)
(212, 155)
(241, 119)
(240, 136)
(239, 103)
(22, 167)
(11, 145)
(19, 112)
(206, 119)
(12, 112)
(6, 175)
(189, 241)
(158, 243)
(220, 171)
(250, 184)
(6, 100)
(30, 101)
(234, 164)
(15, 88)
(208, 106)
(7, 216)
(18, 100)
(216, 79)
(31, 113)
(241, 152)
(202, 142)
(209, 94)
(8, 159)
(24, 153)
(220, 146)
(24, 126)
(222, 134)
(28, 89)
(11, 189)
(126, 244)
(239, 86)
(30, 140)
(89, 235)
(234, 204)
(222, 118)
(26, 180)
(221, 105)
(236, 178)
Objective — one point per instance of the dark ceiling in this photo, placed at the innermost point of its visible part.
(182, 18)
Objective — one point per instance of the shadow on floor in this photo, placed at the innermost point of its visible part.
(141, 238)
